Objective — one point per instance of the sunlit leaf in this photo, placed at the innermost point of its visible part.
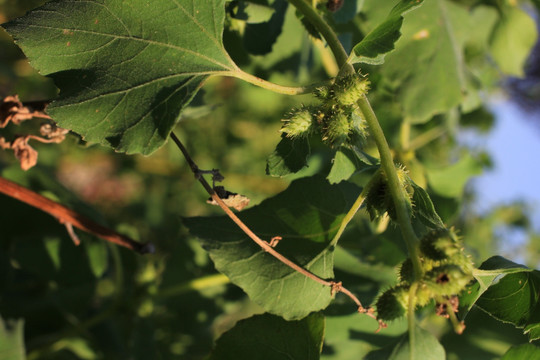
(269, 337)
(450, 180)
(373, 48)
(512, 40)
(11, 340)
(520, 352)
(306, 216)
(508, 292)
(125, 69)
(260, 37)
(426, 347)
(427, 66)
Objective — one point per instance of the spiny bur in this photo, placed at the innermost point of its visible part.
(439, 244)
(447, 280)
(348, 90)
(298, 123)
(393, 303)
(337, 129)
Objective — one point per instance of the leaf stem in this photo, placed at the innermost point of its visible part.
(425, 138)
(396, 190)
(280, 89)
(334, 285)
(352, 211)
(68, 216)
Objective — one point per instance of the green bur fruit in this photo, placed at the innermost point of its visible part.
(406, 271)
(349, 89)
(447, 280)
(378, 198)
(338, 128)
(440, 244)
(393, 303)
(298, 123)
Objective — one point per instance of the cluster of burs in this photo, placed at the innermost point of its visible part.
(445, 268)
(337, 119)
(446, 271)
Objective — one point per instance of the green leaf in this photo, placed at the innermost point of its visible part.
(512, 39)
(351, 337)
(348, 161)
(260, 37)
(269, 337)
(449, 181)
(508, 292)
(426, 69)
(289, 157)
(12, 340)
(251, 12)
(521, 352)
(78, 346)
(487, 275)
(380, 41)
(125, 70)
(97, 256)
(306, 215)
(426, 347)
(512, 299)
(347, 262)
(424, 210)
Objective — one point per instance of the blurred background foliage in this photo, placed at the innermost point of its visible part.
(99, 301)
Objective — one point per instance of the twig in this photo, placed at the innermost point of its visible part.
(68, 216)
(72, 234)
(334, 285)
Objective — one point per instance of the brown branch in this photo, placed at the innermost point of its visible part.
(68, 216)
(334, 286)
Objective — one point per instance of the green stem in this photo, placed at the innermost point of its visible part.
(349, 216)
(426, 137)
(280, 89)
(326, 30)
(396, 190)
(353, 210)
(412, 320)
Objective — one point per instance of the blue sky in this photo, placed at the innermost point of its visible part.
(514, 145)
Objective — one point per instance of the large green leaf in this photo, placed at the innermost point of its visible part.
(427, 68)
(512, 40)
(381, 40)
(449, 181)
(125, 69)
(525, 351)
(11, 340)
(269, 337)
(306, 216)
(425, 347)
(508, 292)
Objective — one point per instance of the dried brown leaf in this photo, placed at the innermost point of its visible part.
(11, 109)
(230, 199)
(4, 144)
(26, 154)
(53, 132)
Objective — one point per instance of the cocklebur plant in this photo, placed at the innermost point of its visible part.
(127, 71)
(446, 272)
